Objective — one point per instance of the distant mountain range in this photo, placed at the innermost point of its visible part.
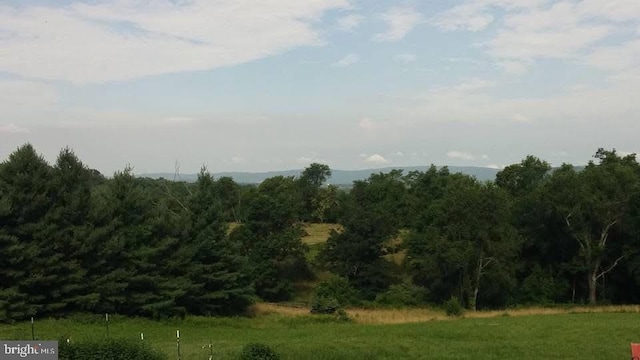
(338, 177)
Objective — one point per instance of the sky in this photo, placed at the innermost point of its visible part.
(259, 85)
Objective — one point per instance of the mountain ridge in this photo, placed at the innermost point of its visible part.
(338, 177)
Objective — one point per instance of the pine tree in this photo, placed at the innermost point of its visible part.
(217, 280)
(25, 192)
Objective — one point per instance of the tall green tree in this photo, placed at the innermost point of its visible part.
(469, 239)
(218, 279)
(134, 240)
(63, 282)
(310, 183)
(545, 272)
(593, 203)
(270, 237)
(26, 193)
(373, 220)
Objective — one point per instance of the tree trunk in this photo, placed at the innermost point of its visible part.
(476, 286)
(474, 298)
(593, 284)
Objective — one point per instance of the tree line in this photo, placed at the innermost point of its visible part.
(72, 240)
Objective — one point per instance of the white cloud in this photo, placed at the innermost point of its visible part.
(177, 120)
(614, 101)
(400, 21)
(12, 129)
(512, 67)
(463, 17)
(25, 94)
(405, 58)
(127, 39)
(366, 123)
(306, 160)
(528, 45)
(376, 159)
(454, 154)
(541, 29)
(349, 22)
(238, 160)
(474, 84)
(475, 15)
(348, 60)
(495, 166)
(519, 118)
(620, 57)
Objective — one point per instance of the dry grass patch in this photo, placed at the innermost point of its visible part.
(395, 316)
(318, 233)
(555, 310)
(271, 308)
(416, 315)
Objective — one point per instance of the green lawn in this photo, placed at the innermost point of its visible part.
(566, 336)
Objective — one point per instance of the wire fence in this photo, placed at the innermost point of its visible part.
(181, 349)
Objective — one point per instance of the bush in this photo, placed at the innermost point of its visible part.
(402, 295)
(339, 289)
(257, 351)
(324, 305)
(111, 349)
(453, 307)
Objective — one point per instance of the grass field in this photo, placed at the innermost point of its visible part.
(600, 335)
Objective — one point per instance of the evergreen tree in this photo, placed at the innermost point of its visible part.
(25, 191)
(67, 226)
(216, 272)
(271, 239)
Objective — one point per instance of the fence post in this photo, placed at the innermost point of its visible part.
(178, 343)
(33, 331)
(106, 317)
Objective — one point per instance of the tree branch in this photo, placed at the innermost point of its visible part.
(605, 234)
(583, 244)
(615, 263)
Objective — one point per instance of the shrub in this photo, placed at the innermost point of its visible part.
(453, 307)
(339, 289)
(342, 316)
(402, 295)
(257, 351)
(111, 349)
(324, 305)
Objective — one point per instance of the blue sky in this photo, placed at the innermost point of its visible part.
(248, 85)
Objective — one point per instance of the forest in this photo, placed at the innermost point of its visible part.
(75, 241)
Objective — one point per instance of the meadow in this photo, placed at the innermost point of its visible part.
(570, 333)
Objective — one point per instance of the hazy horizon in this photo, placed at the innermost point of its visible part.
(255, 86)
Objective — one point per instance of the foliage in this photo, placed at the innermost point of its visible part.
(322, 304)
(469, 238)
(402, 295)
(73, 241)
(453, 307)
(337, 288)
(357, 252)
(257, 351)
